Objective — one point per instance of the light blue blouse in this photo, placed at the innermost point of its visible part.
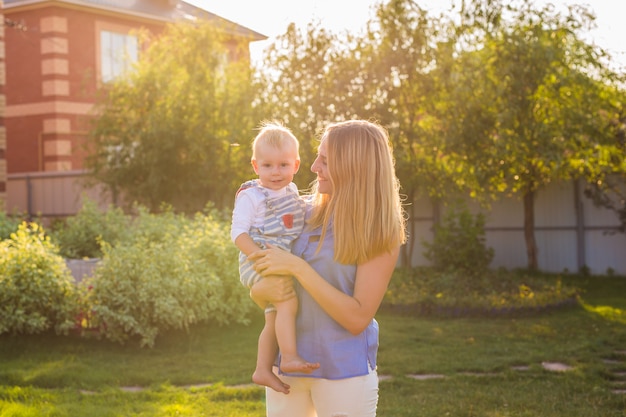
(319, 337)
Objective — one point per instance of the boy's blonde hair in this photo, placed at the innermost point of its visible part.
(274, 134)
(365, 205)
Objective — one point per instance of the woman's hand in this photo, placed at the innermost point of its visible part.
(276, 261)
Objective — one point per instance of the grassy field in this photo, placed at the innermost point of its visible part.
(483, 367)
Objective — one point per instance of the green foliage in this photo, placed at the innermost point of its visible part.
(529, 103)
(430, 291)
(158, 272)
(305, 88)
(8, 225)
(459, 244)
(174, 272)
(610, 192)
(490, 99)
(166, 132)
(37, 291)
(79, 236)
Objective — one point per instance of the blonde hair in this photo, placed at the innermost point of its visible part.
(274, 134)
(365, 205)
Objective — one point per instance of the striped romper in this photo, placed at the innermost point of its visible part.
(283, 222)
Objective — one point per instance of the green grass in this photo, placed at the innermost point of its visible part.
(206, 372)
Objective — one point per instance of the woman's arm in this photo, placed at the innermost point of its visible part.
(354, 312)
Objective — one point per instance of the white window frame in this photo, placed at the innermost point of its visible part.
(117, 50)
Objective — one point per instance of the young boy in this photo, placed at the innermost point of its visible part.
(269, 210)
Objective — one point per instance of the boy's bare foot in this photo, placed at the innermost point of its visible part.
(297, 364)
(269, 379)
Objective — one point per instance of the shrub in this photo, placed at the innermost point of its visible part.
(37, 291)
(459, 244)
(8, 225)
(186, 274)
(79, 236)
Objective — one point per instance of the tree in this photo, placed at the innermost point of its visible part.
(167, 131)
(537, 104)
(399, 58)
(380, 74)
(298, 77)
(500, 99)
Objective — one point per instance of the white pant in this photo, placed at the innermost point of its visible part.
(316, 397)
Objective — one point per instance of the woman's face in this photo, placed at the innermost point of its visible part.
(320, 167)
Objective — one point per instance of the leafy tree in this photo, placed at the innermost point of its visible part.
(167, 131)
(536, 103)
(299, 90)
(400, 55)
(499, 99)
(382, 74)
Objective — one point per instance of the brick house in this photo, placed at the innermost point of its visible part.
(57, 53)
(3, 136)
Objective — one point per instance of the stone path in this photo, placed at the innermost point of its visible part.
(617, 369)
(616, 366)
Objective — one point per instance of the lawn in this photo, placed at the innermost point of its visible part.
(486, 367)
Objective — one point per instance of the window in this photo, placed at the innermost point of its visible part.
(118, 52)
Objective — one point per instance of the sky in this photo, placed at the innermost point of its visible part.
(271, 17)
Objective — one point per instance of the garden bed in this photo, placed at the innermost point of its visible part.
(433, 310)
(426, 292)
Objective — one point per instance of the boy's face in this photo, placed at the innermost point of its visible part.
(275, 166)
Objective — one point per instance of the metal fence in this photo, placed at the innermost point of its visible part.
(569, 230)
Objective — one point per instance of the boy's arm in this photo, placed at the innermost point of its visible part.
(243, 215)
(242, 221)
(245, 244)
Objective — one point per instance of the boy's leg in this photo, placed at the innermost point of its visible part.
(266, 355)
(285, 329)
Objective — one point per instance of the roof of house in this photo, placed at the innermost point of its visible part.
(164, 10)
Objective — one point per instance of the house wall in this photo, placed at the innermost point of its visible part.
(52, 77)
(3, 136)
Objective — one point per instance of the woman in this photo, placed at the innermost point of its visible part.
(342, 264)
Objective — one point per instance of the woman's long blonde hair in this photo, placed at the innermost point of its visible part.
(365, 204)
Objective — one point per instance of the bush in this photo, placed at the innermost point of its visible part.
(459, 244)
(8, 225)
(37, 291)
(173, 273)
(79, 236)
